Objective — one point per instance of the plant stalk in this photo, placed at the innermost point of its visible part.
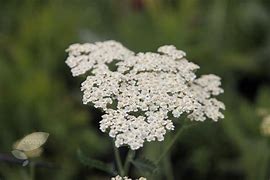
(170, 145)
(129, 158)
(32, 170)
(118, 161)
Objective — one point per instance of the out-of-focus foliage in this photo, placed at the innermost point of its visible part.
(37, 93)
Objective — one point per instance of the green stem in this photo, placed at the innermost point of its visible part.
(129, 158)
(118, 161)
(32, 171)
(168, 168)
(24, 175)
(170, 145)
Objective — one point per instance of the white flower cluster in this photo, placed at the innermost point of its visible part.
(89, 56)
(143, 91)
(265, 126)
(126, 178)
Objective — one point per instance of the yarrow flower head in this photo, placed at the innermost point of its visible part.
(265, 126)
(126, 178)
(142, 90)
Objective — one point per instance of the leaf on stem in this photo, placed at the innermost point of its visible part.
(93, 163)
(144, 165)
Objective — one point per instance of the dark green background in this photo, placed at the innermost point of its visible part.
(230, 38)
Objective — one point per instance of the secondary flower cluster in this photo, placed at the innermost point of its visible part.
(140, 92)
(265, 126)
(126, 178)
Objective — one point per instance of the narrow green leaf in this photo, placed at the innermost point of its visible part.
(145, 165)
(93, 163)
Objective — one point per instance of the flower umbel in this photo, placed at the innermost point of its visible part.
(265, 126)
(126, 178)
(139, 94)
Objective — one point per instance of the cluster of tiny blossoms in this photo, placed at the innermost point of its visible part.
(126, 178)
(139, 92)
(265, 126)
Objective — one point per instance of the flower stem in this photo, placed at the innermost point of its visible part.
(129, 158)
(170, 145)
(32, 171)
(168, 168)
(118, 161)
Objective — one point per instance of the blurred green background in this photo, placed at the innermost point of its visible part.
(230, 38)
